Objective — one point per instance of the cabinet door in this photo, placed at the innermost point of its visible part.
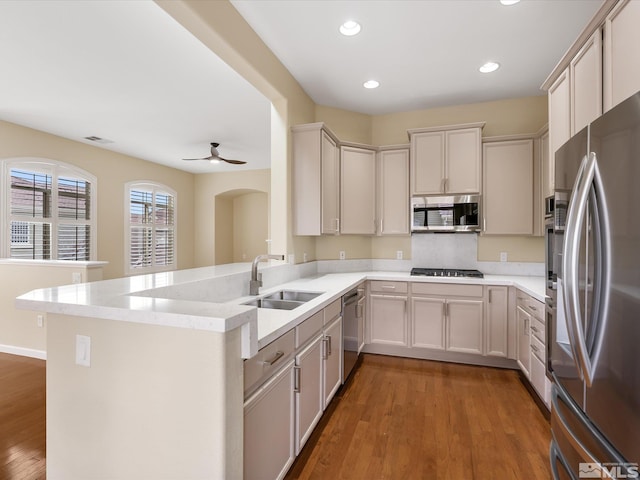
(496, 318)
(538, 378)
(393, 192)
(388, 318)
(427, 163)
(428, 320)
(330, 185)
(464, 326)
(621, 59)
(332, 360)
(559, 115)
(586, 83)
(508, 187)
(309, 396)
(548, 168)
(462, 153)
(523, 320)
(306, 185)
(358, 191)
(269, 448)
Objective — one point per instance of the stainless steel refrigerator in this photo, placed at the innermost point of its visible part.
(594, 341)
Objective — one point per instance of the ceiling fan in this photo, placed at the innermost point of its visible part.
(215, 157)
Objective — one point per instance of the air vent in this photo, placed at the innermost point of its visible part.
(95, 139)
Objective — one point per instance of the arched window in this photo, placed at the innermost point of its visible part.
(150, 228)
(49, 211)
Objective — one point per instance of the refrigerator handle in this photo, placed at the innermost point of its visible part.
(570, 257)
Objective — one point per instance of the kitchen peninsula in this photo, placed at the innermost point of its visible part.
(163, 394)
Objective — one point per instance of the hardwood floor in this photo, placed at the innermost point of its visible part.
(401, 418)
(22, 418)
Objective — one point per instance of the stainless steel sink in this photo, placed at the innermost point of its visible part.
(283, 300)
(293, 295)
(274, 303)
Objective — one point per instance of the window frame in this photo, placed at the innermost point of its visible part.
(56, 169)
(154, 188)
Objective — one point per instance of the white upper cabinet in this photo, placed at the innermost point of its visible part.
(446, 160)
(358, 191)
(559, 116)
(316, 178)
(586, 83)
(621, 56)
(393, 192)
(508, 187)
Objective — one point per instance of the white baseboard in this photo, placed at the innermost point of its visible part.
(24, 352)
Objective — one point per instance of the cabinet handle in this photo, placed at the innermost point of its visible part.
(446, 184)
(296, 379)
(329, 345)
(534, 348)
(484, 224)
(388, 287)
(532, 307)
(490, 295)
(381, 225)
(325, 348)
(359, 308)
(526, 327)
(337, 226)
(534, 329)
(442, 185)
(277, 356)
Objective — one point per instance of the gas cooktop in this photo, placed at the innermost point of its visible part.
(446, 272)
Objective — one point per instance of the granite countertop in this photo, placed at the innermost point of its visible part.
(133, 299)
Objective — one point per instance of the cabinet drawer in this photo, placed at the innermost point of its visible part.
(308, 328)
(268, 360)
(538, 330)
(332, 310)
(531, 305)
(446, 289)
(538, 349)
(379, 286)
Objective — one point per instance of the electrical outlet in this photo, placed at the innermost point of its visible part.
(40, 320)
(83, 350)
(76, 277)
(399, 255)
(343, 255)
(503, 256)
(305, 257)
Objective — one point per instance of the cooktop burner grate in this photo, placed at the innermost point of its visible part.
(446, 272)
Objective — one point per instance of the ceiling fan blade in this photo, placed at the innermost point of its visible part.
(235, 162)
(193, 159)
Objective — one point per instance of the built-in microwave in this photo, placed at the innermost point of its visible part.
(445, 214)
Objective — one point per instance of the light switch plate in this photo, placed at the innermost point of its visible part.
(83, 350)
(399, 255)
(503, 256)
(343, 255)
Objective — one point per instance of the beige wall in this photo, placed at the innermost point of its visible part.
(348, 126)
(223, 230)
(19, 330)
(207, 188)
(113, 171)
(250, 232)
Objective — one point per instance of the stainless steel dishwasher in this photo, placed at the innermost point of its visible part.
(353, 328)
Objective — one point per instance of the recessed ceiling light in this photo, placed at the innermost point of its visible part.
(509, 2)
(489, 67)
(350, 28)
(371, 84)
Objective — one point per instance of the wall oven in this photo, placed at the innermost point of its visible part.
(445, 214)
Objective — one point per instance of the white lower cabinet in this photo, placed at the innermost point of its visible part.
(308, 390)
(428, 321)
(332, 357)
(497, 321)
(269, 447)
(464, 326)
(523, 319)
(388, 320)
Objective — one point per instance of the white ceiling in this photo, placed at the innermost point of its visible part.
(424, 53)
(127, 72)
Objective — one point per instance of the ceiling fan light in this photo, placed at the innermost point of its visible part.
(489, 67)
(350, 28)
(214, 161)
(509, 2)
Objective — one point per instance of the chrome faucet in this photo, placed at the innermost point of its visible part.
(256, 278)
